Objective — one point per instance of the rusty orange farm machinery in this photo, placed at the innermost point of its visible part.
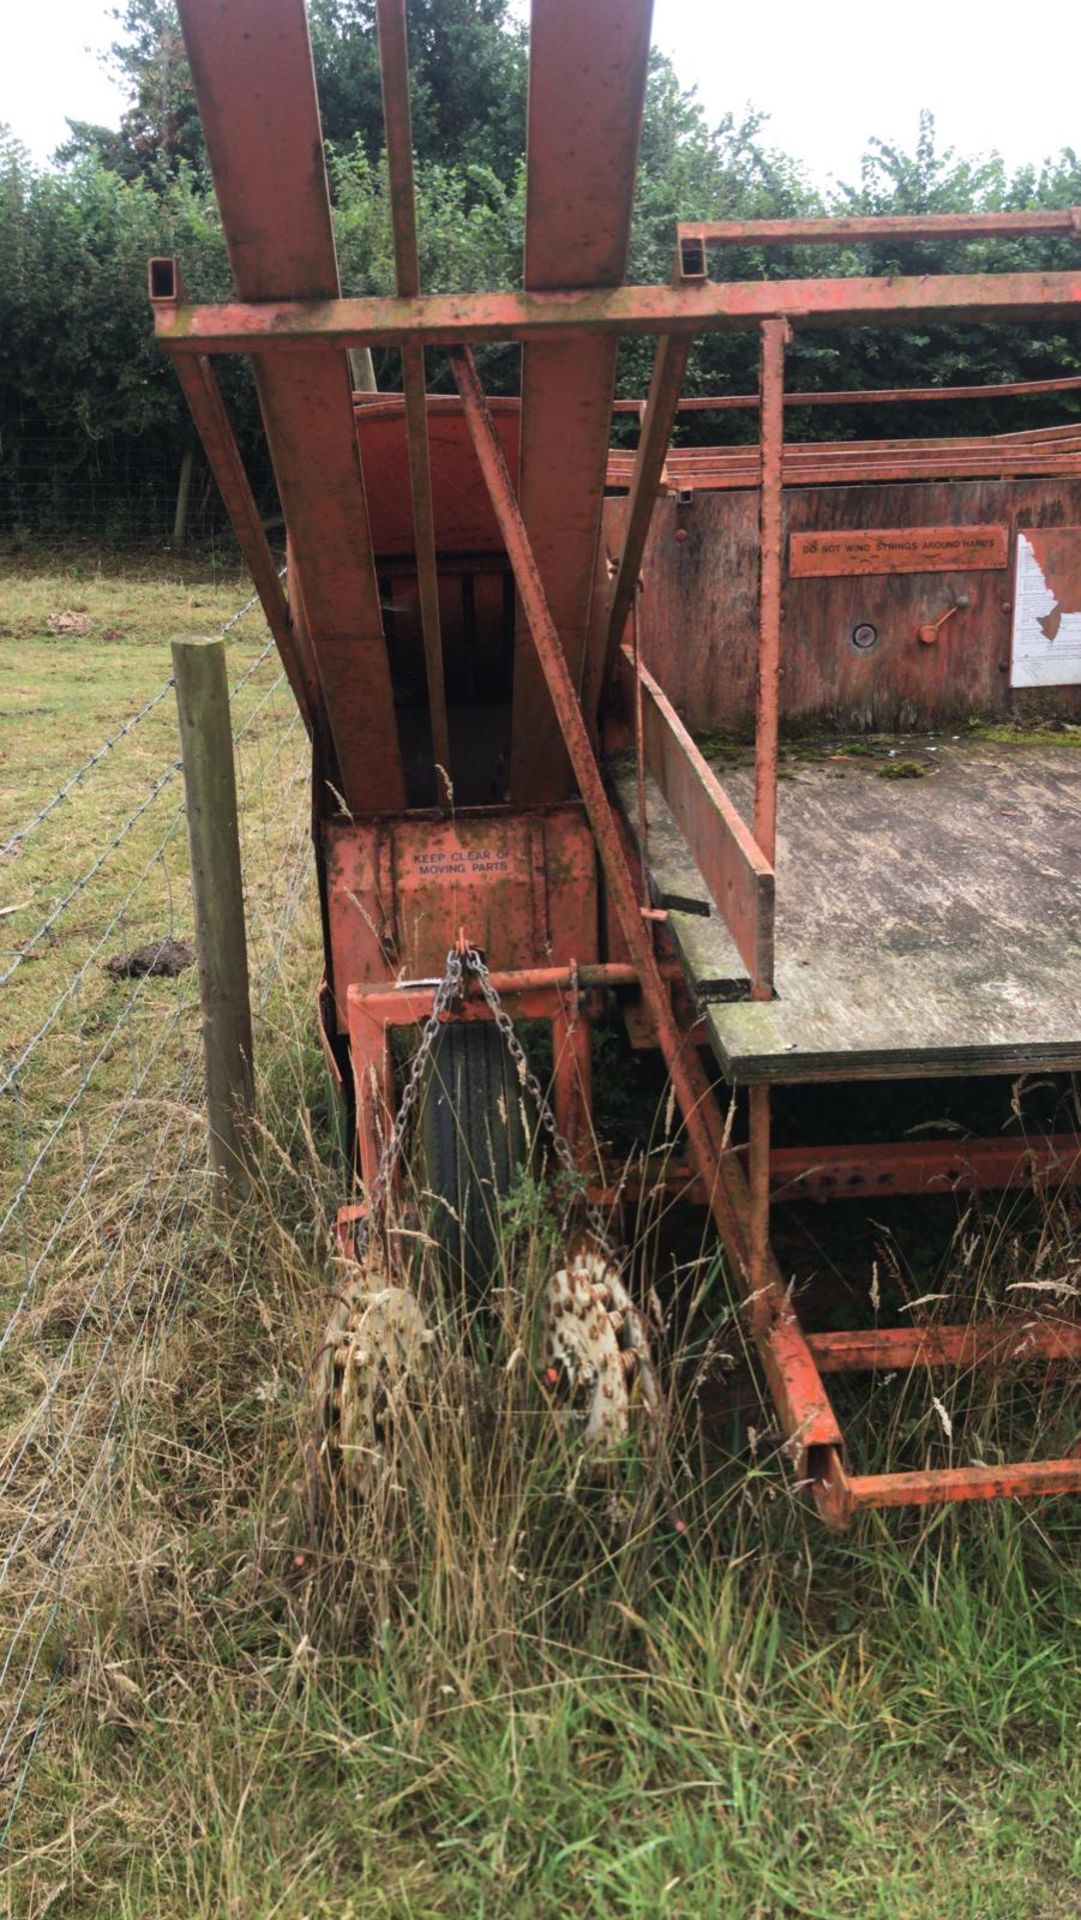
(503, 636)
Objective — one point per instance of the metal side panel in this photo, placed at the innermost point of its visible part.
(252, 68)
(587, 77)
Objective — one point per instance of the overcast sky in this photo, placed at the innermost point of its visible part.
(828, 76)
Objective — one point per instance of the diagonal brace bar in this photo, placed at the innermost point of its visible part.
(793, 1376)
(207, 409)
(669, 367)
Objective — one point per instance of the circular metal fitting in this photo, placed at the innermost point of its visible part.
(373, 1358)
(597, 1359)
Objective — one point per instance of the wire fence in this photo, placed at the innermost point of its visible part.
(121, 491)
(103, 1154)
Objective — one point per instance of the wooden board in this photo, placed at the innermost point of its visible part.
(698, 612)
(705, 946)
(925, 926)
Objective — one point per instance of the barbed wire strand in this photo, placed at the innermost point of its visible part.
(22, 834)
(89, 1479)
(275, 912)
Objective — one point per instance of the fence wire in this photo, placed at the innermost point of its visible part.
(99, 1059)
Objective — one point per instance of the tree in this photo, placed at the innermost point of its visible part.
(159, 132)
(468, 60)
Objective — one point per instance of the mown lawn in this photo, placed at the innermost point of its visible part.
(516, 1688)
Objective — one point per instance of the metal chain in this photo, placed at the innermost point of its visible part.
(459, 963)
(447, 991)
(561, 1146)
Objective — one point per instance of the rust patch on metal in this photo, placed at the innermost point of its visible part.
(397, 890)
(898, 550)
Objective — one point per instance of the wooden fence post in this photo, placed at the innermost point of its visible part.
(183, 500)
(206, 740)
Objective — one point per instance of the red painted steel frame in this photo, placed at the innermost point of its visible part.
(461, 319)
(558, 994)
(252, 70)
(881, 1171)
(669, 367)
(394, 71)
(203, 395)
(587, 80)
(844, 229)
(925, 1166)
(835, 463)
(794, 1380)
(863, 396)
(774, 336)
(1009, 1342)
(251, 66)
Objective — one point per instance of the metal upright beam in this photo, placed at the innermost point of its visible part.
(587, 80)
(252, 71)
(770, 510)
(669, 367)
(394, 72)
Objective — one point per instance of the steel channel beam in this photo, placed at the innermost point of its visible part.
(863, 396)
(795, 1383)
(273, 326)
(886, 1349)
(739, 877)
(930, 1166)
(798, 1174)
(669, 367)
(394, 74)
(587, 80)
(252, 71)
(718, 473)
(845, 229)
(770, 588)
(945, 1486)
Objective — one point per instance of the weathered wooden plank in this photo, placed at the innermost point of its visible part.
(706, 949)
(736, 872)
(698, 609)
(925, 926)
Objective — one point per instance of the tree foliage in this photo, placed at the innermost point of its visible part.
(468, 66)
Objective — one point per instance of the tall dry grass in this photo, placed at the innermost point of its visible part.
(516, 1683)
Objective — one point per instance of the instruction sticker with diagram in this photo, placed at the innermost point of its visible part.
(1047, 608)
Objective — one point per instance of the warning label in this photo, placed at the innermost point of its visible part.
(448, 863)
(898, 550)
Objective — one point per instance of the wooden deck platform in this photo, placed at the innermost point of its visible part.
(924, 926)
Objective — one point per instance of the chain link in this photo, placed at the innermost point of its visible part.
(450, 988)
(561, 1146)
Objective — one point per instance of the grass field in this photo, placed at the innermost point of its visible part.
(515, 1690)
